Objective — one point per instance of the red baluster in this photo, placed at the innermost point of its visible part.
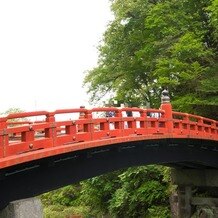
(119, 124)
(50, 132)
(89, 126)
(81, 116)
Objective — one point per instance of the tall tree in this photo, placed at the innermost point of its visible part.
(156, 44)
(135, 192)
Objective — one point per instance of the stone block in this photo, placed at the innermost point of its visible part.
(25, 208)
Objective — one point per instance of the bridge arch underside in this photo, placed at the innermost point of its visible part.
(34, 178)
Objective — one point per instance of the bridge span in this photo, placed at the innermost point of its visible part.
(39, 155)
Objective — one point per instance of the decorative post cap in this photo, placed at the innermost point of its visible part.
(165, 97)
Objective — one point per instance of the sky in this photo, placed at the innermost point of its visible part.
(45, 48)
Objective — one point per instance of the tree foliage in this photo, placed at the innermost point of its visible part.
(135, 192)
(213, 11)
(151, 45)
(142, 190)
(14, 110)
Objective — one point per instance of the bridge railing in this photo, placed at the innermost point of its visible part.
(194, 126)
(83, 125)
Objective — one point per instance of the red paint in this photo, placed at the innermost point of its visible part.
(26, 141)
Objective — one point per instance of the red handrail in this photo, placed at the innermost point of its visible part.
(29, 136)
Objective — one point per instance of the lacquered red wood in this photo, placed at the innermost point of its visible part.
(41, 134)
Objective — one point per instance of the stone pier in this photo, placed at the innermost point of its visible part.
(25, 208)
(196, 195)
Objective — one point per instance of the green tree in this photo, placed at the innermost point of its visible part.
(119, 69)
(66, 196)
(97, 192)
(213, 13)
(14, 110)
(63, 202)
(152, 45)
(135, 192)
(143, 192)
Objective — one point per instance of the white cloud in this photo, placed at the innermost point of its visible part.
(45, 46)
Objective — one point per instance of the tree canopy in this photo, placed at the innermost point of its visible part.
(134, 192)
(155, 44)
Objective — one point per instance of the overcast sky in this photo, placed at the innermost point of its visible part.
(45, 48)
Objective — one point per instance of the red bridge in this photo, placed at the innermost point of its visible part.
(41, 151)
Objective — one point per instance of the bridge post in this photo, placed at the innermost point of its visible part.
(181, 202)
(26, 208)
(196, 195)
(167, 107)
(3, 136)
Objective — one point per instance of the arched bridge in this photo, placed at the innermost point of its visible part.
(41, 151)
